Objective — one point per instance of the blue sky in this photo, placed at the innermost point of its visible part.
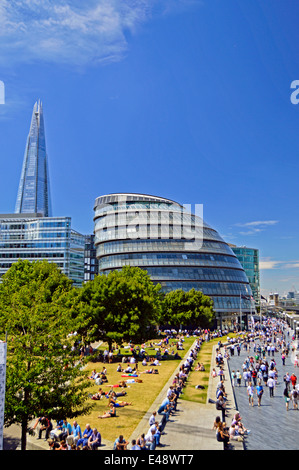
(185, 99)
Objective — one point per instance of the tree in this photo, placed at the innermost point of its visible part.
(120, 306)
(190, 309)
(43, 376)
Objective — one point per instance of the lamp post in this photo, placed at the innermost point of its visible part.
(240, 312)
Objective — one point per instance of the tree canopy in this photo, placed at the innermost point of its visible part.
(120, 306)
(189, 309)
(40, 308)
(43, 376)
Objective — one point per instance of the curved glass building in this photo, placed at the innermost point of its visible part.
(174, 245)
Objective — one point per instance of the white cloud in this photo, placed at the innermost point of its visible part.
(72, 31)
(258, 223)
(256, 226)
(64, 31)
(251, 232)
(269, 264)
(293, 264)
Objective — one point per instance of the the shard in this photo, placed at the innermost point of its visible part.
(34, 191)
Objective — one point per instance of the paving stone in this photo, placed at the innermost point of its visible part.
(272, 427)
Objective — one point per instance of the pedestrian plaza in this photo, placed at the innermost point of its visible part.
(272, 426)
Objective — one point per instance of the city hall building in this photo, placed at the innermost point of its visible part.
(175, 246)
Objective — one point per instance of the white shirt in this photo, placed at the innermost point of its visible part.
(152, 420)
(270, 382)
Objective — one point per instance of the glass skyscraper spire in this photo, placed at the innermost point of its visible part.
(34, 192)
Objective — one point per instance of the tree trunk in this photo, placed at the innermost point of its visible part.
(24, 434)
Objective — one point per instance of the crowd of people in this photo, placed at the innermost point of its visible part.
(66, 436)
(159, 418)
(264, 345)
(268, 343)
(225, 432)
(151, 440)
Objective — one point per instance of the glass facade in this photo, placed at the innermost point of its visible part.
(33, 237)
(249, 259)
(34, 191)
(176, 247)
(91, 264)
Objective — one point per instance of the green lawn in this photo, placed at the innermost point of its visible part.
(142, 395)
(201, 377)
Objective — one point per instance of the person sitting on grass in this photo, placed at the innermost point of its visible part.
(113, 400)
(111, 413)
(94, 375)
(97, 396)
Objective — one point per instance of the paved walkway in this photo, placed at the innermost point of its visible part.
(189, 429)
(272, 427)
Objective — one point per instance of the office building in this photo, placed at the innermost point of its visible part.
(34, 190)
(176, 247)
(31, 233)
(91, 263)
(249, 259)
(34, 238)
(273, 299)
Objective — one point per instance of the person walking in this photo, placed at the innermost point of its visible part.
(283, 358)
(286, 395)
(250, 393)
(271, 385)
(293, 379)
(259, 393)
(233, 377)
(294, 397)
(239, 378)
(287, 380)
